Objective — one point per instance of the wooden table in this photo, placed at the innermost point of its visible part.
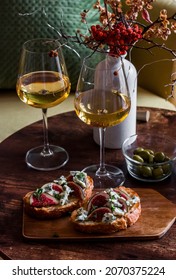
(16, 179)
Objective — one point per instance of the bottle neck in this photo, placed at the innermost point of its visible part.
(115, 61)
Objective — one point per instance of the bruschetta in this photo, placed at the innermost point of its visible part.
(108, 211)
(59, 197)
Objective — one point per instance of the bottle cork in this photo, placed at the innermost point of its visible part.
(143, 115)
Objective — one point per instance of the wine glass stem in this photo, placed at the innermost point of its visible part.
(102, 170)
(46, 149)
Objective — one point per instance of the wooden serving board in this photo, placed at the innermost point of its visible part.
(158, 215)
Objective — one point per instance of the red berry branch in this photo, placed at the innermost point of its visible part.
(118, 31)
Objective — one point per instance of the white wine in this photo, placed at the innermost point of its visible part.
(102, 110)
(43, 89)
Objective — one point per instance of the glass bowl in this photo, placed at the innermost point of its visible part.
(148, 157)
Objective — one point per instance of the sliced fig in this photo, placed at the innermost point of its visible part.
(123, 201)
(97, 214)
(43, 200)
(78, 191)
(97, 200)
(122, 193)
(57, 187)
(69, 177)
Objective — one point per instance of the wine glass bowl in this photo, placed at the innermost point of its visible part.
(32, 91)
(102, 100)
(43, 82)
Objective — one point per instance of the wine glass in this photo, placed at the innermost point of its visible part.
(43, 82)
(102, 99)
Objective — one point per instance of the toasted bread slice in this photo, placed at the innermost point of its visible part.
(108, 211)
(59, 197)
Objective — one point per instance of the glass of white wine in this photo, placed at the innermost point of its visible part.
(43, 82)
(102, 100)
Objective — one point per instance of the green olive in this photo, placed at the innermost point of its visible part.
(166, 168)
(159, 157)
(150, 151)
(138, 158)
(146, 171)
(151, 158)
(167, 158)
(158, 172)
(138, 170)
(137, 150)
(145, 155)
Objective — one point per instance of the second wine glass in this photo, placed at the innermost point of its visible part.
(43, 82)
(102, 100)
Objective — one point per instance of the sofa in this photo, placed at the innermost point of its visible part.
(17, 28)
(21, 20)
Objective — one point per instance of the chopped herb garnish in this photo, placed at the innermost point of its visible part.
(57, 195)
(38, 192)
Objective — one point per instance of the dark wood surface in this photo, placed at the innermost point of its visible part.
(16, 179)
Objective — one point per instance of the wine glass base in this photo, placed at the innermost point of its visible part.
(37, 159)
(114, 176)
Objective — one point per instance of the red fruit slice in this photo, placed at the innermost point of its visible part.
(51, 186)
(69, 177)
(43, 200)
(97, 214)
(78, 191)
(124, 203)
(97, 200)
(122, 193)
(57, 188)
